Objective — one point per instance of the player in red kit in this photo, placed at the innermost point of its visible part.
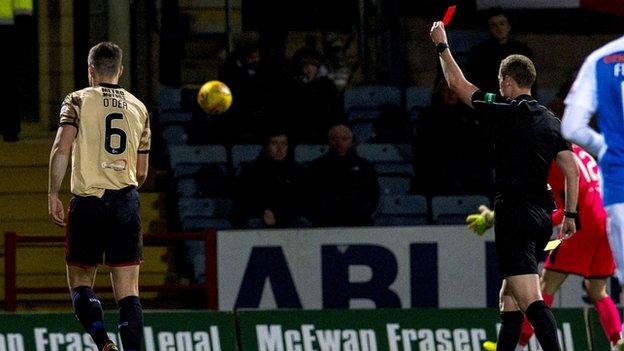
(587, 253)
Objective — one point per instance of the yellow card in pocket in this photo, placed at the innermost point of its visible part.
(553, 244)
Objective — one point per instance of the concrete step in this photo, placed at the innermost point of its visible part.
(25, 153)
(23, 207)
(27, 179)
(210, 19)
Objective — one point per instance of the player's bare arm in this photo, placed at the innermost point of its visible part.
(59, 159)
(565, 160)
(452, 73)
(141, 169)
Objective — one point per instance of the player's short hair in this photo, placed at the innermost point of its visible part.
(106, 58)
(520, 68)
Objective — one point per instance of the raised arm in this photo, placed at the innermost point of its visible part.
(452, 73)
(567, 164)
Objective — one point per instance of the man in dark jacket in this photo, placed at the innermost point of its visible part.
(485, 58)
(271, 191)
(345, 189)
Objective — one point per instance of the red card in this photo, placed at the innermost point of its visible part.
(448, 15)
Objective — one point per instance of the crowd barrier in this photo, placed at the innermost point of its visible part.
(298, 330)
(12, 242)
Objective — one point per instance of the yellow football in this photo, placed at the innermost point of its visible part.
(214, 97)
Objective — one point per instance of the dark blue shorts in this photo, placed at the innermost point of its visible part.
(104, 230)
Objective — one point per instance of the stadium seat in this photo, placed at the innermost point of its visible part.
(306, 153)
(175, 135)
(397, 210)
(417, 97)
(201, 223)
(188, 160)
(454, 209)
(394, 185)
(364, 104)
(174, 117)
(168, 98)
(363, 131)
(212, 208)
(371, 97)
(187, 187)
(244, 153)
(389, 159)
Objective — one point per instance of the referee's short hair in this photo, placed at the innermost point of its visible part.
(105, 58)
(520, 68)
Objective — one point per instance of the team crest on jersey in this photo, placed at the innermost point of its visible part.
(117, 165)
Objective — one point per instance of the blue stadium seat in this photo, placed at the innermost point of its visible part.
(174, 117)
(244, 153)
(168, 98)
(187, 188)
(366, 114)
(389, 159)
(212, 208)
(187, 160)
(371, 97)
(306, 153)
(454, 209)
(417, 97)
(363, 131)
(396, 210)
(201, 223)
(394, 185)
(175, 135)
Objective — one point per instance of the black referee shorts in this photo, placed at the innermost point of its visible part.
(106, 229)
(522, 231)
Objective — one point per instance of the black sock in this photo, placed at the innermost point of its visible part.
(88, 310)
(544, 324)
(510, 330)
(130, 323)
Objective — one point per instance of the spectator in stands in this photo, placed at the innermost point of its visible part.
(312, 103)
(485, 58)
(345, 191)
(312, 48)
(270, 191)
(447, 135)
(339, 52)
(251, 88)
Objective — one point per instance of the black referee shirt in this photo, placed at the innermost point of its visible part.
(527, 137)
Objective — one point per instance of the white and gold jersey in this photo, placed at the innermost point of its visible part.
(113, 128)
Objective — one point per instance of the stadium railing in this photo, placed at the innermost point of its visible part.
(12, 242)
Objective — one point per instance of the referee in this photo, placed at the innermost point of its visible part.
(527, 138)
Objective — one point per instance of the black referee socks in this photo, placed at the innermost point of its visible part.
(130, 323)
(509, 333)
(88, 310)
(543, 323)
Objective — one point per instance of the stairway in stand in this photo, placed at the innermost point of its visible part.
(23, 210)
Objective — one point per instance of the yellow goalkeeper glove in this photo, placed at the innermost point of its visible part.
(480, 222)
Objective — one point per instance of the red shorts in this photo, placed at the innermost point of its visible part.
(587, 253)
